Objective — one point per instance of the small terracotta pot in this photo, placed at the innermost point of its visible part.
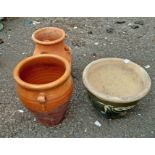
(50, 40)
(115, 85)
(44, 85)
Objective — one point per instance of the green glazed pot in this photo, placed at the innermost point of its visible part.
(115, 85)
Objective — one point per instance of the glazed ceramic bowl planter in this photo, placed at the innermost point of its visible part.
(115, 85)
(44, 85)
(50, 40)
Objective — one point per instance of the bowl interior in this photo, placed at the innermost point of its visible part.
(42, 70)
(48, 34)
(115, 78)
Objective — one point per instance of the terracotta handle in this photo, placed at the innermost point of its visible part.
(42, 100)
(66, 48)
(42, 52)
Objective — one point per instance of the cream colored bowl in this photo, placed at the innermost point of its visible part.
(115, 85)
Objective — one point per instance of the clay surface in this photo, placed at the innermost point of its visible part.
(50, 40)
(44, 85)
(42, 72)
(116, 78)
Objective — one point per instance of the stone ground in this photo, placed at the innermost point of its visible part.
(90, 39)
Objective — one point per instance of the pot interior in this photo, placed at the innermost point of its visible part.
(48, 34)
(116, 78)
(42, 70)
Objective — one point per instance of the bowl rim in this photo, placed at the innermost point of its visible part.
(57, 82)
(110, 98)
(48, 42)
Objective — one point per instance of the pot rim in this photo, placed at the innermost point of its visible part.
(57, 82)
(110, 98)
(48, 42)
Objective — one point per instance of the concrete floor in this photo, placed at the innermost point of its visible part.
(90, 39)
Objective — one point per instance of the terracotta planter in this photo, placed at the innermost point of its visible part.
(44, 85)
(115, 85)
(50, 40)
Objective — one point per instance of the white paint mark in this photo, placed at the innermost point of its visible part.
(105, 38)
(126, 61)
(130, 24)
(139, 114)
(84, 55)
(35, 22)
(147, 66)
(75, 27)
(85, 130)
(97, 123)
(23, 53)
(96, 43)
(21, 111)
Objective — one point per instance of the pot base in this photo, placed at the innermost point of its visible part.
(107, 110)
(54, 117)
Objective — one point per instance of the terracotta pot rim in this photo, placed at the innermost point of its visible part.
(48, 42)
(57, 82)
(113, 99)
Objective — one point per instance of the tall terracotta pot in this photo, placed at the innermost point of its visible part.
(50, 40)
(44, 85)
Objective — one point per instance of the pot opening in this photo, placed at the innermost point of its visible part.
(112, 79)
(48, 35)
(115, 80)
(42, 70)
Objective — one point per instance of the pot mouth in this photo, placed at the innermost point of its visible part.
(116, 80)
(48, 35)
(42, 71)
